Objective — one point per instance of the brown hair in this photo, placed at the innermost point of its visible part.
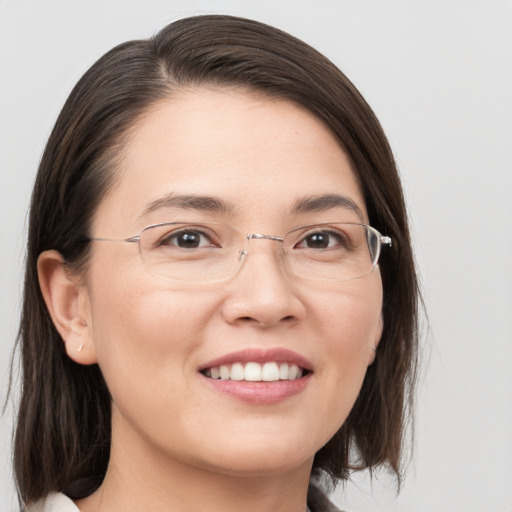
(63, 426)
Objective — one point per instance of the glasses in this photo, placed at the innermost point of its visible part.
(208, 251)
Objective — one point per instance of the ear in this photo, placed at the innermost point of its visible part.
(67, 301)
(376, 339)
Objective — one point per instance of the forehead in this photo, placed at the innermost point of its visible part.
(259, 155)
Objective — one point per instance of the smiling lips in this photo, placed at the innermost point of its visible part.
(259, 376)
(256, 372)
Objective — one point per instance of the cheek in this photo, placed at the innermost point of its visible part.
(146, 344)
(143, 332)
(146, 326)
(352, 315)
(349, 323)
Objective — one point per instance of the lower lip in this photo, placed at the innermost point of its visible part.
(259, 392)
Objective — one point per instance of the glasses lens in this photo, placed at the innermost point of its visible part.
(191, 252)
(213, 252)
(334, 251)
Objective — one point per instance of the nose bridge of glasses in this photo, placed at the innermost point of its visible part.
(257, 236)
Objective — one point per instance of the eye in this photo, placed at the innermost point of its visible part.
(189, 238)
(322, 239)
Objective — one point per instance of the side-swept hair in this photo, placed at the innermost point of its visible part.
(64, 421)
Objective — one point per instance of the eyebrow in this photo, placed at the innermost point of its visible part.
(326, 202)
(205, 203)
(190, 202)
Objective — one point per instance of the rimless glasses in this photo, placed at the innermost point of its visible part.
(209, 251)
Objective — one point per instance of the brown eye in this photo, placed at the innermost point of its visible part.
(187, 239)
(321, 240)
(317, 241)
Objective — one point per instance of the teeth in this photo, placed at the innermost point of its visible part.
(293, 372)
(255, 372)
(224, 372)
(252, 372)
(237, 372)
(269, 372)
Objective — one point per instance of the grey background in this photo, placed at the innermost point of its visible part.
(439, 76)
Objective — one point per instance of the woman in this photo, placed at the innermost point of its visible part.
(205, 325)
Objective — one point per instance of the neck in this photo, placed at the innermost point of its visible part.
(142, 478)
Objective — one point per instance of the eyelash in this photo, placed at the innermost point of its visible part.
(174, 235)
(340, 239)
(335, 239)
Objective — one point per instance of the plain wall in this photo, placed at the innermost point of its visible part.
(439, 76)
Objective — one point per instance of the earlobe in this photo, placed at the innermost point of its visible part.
(376, 340)
(67, 303)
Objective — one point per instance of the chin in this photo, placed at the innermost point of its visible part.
(261, 465)
(260, 457)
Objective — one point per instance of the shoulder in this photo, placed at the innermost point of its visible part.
(318, 501)
(58, 502)
(54, 502)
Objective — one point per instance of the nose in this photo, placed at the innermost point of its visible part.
(263, 294)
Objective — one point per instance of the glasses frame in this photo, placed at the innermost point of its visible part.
(382, 240)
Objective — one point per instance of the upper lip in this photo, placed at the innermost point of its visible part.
(260, 356)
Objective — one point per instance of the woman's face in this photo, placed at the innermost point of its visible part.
(255, 159)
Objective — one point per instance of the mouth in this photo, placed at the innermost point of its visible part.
(252, 371)
(259, 376)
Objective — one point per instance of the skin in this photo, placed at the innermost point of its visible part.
(178, 444)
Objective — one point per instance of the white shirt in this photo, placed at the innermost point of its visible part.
(58, 502)
(54, 502)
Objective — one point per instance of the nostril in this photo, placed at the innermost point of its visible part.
(261, 323)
